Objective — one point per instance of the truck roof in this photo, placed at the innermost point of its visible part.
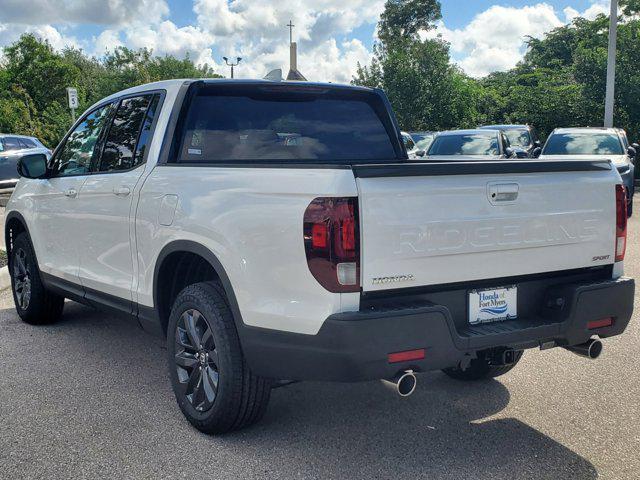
(178, 82)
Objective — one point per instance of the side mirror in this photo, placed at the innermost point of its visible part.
(33, 166)
(421, 153)
(537, 144)
(509, 152)
(632, 152)
(522, 154)
(536, 152)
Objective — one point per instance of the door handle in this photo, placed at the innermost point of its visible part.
(121, 191)
(71, 193)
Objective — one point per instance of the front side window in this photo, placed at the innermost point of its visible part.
(27, 143)
(423, 140)
(120, 149)
(583, 144)
(282, 123)
(408, 142)
(465, 144)
(518, 138)
(75, 156)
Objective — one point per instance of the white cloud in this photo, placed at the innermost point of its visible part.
(495, 39)
(600, 7)
(256, 31)
(101, 12)
(9, 33)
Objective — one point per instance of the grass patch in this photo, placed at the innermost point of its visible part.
(3, 258)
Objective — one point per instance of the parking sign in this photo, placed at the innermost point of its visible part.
(72, 96)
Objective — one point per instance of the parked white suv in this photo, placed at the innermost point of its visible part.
(277, 232)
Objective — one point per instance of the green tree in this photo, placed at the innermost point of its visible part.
(427, 92)
(34, 78)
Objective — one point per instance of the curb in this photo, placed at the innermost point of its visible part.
(5, 279)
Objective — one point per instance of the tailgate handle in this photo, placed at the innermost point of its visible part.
(503, 192)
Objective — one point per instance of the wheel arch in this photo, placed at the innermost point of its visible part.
(176, 251)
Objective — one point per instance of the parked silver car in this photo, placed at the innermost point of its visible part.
(13, 147)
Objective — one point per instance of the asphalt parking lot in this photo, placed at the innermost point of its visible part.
(89, 398)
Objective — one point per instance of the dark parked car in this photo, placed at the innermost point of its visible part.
(13, 147)
(522, 138)
(465, 145)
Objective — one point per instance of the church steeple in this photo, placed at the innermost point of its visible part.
(294, 74)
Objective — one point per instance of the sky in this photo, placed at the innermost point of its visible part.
(332, 35)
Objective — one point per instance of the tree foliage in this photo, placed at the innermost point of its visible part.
(34, 78)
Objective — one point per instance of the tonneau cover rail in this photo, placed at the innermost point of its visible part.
(406, 169)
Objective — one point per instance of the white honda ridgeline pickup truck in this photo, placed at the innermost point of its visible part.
(277, 232)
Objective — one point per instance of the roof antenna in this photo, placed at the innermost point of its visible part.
(274, 75)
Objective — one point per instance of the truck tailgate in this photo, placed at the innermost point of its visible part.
(429, 224)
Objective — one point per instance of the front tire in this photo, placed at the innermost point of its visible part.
(34, 303)
(481, 369)
(214, 387)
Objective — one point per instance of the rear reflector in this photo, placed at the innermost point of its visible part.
(406, 356)
(603, 322)
(621, 222)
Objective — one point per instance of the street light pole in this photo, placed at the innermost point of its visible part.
(231, 64)
(611, 65)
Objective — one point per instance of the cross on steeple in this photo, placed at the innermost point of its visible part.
(290, 25)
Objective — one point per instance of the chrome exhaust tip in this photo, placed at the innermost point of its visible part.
(590, 349)
(403, 383)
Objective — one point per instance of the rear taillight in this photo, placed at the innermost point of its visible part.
(621, 222)
(332, 243)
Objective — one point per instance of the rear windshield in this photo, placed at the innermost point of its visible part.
(465, 144)
(583, 144)
(285, 123)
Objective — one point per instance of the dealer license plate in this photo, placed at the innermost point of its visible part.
(493, 305)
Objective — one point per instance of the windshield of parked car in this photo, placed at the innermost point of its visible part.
(423, 140)
(583, 144)
(465, 144)
(518, 138)
(282, 123)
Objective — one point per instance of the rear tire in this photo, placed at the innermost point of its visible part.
(214, 387)
(481, 369)
(34, 303)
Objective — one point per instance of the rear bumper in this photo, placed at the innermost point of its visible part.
(354, 346)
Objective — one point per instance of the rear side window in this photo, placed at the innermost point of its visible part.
(284, 124)
(126, 141)
(11, 143)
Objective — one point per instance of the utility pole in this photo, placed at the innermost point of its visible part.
(231, 64)
(611, 65)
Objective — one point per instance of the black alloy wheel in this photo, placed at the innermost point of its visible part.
(196, 360)
(22, 272)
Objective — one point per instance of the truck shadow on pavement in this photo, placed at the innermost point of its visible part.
(118, 400)
(440, 431)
